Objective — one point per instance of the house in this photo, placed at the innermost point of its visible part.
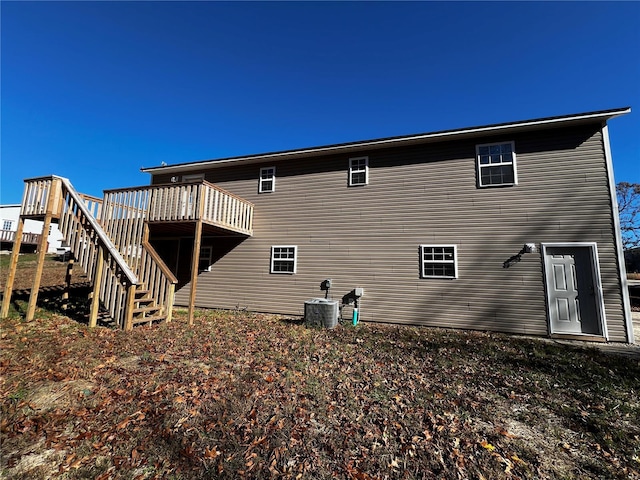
(510, 227)
(9, 216)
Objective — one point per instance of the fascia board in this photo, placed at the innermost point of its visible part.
(506, 128)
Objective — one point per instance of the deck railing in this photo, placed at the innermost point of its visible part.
(185, 202)
(27, 238)
(36, 195)
(124, 213)
(87, 240)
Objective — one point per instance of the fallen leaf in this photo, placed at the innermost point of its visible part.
(504, 432)
(487, 445)
(211, 453)
(123, 424)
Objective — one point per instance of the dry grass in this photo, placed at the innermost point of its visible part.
(52, 275)
(254, 396)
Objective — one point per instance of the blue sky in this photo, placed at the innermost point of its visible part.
(95, 90)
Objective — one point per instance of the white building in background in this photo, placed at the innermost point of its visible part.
(9, 216)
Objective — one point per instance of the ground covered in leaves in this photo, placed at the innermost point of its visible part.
(53, 274)
(255, 396)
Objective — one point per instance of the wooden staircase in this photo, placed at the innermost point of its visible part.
(145, 309)
(109, 239)
(130, 280)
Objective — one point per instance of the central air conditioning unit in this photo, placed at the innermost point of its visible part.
(320, 312)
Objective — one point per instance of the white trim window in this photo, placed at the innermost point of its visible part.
(206, 255)
(194, 177)
(267, 180)
(284, 258)
(7, 224)
(496, 164)
(438, 261)
(358, 171)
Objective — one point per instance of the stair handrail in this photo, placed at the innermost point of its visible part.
(107, 244)
(161, 265)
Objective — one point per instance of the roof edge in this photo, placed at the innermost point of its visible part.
(588, 117)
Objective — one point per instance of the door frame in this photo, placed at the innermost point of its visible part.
(597, 283)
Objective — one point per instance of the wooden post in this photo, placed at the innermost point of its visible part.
(42, 251)
(131, 296)
(67, 283)
(169, 305)
(195, 263)
(97, 282)
(13, 265)
(52, 200)
(195, 258)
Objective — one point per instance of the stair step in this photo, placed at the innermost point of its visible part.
(157, 318)
(144, 301)
(145, 310)
(141, 293)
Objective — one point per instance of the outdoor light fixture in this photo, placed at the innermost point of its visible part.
(527, 248)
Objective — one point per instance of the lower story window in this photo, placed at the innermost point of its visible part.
(283, 259)
(438, 261)
(205, 259)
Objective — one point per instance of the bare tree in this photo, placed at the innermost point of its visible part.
(629, 209)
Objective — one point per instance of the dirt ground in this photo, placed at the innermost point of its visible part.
(53, 274)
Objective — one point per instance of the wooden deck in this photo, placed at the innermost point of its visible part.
(9, 236)
(109, 238)
(180, 203)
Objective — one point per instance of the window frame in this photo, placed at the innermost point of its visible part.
(207, 256)
(271, 179)
(192, 177)
(353, 171)
(294, 261)
(5, 223)
(424, 262)
(512, 163)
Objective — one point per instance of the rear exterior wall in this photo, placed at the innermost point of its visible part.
(369, 236)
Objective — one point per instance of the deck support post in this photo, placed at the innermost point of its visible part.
(131, 296)
(169, 307)
(97, 283)
(42, 251)
(13, 265)
(195, 258)
(42, 247)
(67, 283)
(195, 263)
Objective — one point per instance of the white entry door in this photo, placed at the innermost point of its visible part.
(573, 290)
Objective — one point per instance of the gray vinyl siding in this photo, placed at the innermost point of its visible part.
(369, 236)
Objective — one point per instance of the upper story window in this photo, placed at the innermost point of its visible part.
(267, 180)
(7, 224)
(358, 171)
(284, 258)
(194, 177)
(438, 261)
(496, 164)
